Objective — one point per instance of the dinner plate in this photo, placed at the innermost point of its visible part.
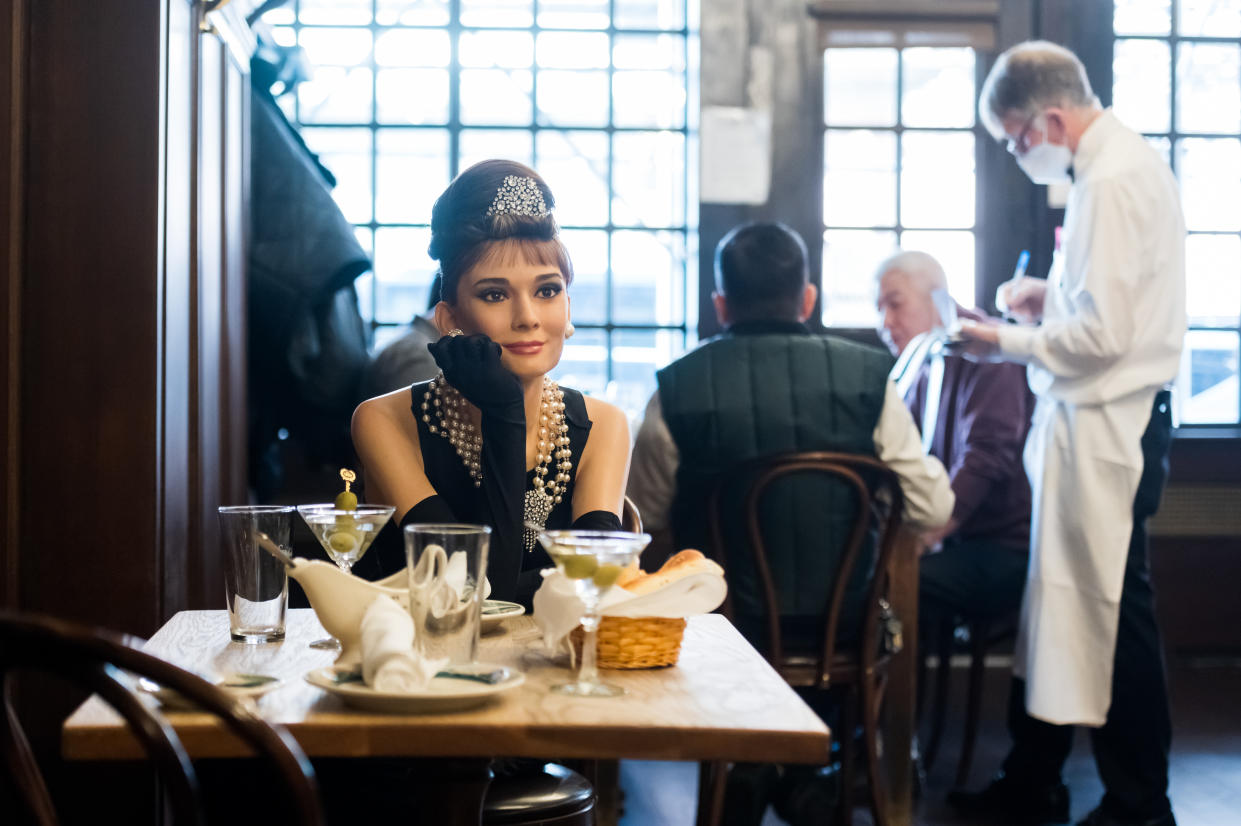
(238, 685)
(496, 611)
(443, 693)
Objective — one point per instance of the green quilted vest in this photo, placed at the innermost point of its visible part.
(739, 397)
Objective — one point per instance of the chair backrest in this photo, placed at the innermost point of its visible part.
(631, 520)
(93, 660)
(877, 506)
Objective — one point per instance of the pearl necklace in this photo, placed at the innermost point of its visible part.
(447, 407)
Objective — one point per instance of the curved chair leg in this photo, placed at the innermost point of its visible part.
(18, 759)
(871, 705)
(844, 737)
(980, 632)
(712, 781)
(939, 705)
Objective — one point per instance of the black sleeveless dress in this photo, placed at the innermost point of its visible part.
(452, 482)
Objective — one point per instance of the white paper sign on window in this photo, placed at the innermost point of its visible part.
(736, 155)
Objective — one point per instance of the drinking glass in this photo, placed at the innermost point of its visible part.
(255, 583)
(592, 561)
(345, 535)
(447, 565)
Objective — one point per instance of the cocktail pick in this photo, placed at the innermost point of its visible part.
(266, 543)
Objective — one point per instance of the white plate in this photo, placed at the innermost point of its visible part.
(238, 685)
(495, 611)
(442, 694)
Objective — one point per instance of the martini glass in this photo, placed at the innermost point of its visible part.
(592, 561)
(345, 535)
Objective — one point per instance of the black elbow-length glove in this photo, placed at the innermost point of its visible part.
(472, 365)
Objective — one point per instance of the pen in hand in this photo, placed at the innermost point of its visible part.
(1019, 272)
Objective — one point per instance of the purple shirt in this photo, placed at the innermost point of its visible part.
(984, 415)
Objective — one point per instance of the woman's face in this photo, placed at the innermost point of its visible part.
(521, 305)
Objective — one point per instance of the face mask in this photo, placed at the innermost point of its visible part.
(1047, 163)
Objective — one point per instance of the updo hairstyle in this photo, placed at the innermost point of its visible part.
(463, 234)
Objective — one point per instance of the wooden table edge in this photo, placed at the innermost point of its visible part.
(346, 740)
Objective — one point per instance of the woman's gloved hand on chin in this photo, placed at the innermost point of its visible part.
(472, 365)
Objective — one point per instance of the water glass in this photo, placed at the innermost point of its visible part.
(446, 566)
(256, 585)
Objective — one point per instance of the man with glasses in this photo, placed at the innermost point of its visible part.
(1112, 320)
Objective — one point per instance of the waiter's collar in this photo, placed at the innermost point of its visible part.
(1091, 143)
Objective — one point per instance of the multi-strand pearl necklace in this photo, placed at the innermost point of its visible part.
(444, 412)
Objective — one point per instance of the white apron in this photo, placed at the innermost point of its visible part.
(1084, 464)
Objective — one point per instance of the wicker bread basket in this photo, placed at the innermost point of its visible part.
(635, 642)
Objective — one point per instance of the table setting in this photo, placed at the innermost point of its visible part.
(409, 643)
(430, 667)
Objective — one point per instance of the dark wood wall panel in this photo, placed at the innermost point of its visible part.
(1195, 594)
(91, 317)
(12, 165)
(131, 268)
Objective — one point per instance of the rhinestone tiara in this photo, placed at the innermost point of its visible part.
(519, 195)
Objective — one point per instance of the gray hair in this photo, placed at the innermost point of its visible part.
(1030, 77)
(922, 270)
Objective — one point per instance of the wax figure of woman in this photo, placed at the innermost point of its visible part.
(493, 440)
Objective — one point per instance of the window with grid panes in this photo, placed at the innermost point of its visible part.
(898, 169)
(1177, 79)
(594, 94)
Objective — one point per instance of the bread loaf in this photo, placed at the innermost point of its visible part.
(679, 565)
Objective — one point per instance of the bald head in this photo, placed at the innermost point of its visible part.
(905, 282)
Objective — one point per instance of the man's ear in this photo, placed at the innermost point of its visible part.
(721, 308)
(1057, 126)
(808, 297)
(445, 318)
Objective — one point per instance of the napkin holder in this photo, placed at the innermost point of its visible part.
(339, 599)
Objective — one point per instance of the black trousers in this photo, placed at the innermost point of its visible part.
(1131, 748)
(971, 578)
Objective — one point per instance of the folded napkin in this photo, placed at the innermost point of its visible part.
(389, 661)
(558, 610)
(456, 565)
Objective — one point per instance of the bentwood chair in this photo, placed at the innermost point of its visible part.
(96, 661)
(980, 633)
(849, 643)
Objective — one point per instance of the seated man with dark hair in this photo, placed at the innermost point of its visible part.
(406, 360)
(976, 424)
(767, 386)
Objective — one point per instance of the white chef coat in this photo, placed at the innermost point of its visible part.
(1111, 336)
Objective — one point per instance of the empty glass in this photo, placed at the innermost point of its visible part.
(255, 583)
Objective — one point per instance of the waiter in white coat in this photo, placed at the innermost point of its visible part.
(1112, 314)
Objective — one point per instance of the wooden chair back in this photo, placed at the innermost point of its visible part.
(96, 661)
(878, 507)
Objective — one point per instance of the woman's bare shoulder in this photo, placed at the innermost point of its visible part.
(391, 410)
(606, 418)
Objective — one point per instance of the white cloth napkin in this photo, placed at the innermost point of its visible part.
(389, 661)
(400, 580)
(558, 610)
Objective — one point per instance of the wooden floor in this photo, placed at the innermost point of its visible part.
(1206, 758)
